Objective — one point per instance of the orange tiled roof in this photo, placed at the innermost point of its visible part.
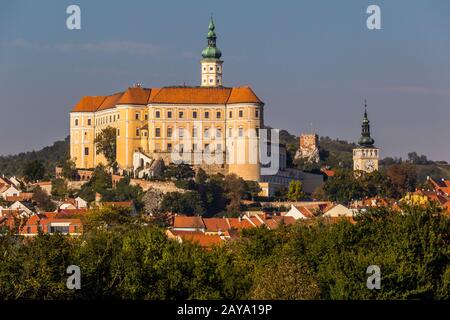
(88, 104)
(216, 224)
(110, 101)
(135, 95)
(243, 94)
(188, 222)
(168, 95)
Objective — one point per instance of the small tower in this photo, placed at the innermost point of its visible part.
(211, 63)
(366, 156)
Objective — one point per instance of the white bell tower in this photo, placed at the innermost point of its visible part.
(211, 64)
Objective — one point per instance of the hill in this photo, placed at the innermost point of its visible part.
(50, 156)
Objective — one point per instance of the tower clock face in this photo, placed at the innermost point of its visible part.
(370, 165)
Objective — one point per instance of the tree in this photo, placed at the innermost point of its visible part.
(201, 176)
(295, 192)
(69, 169)
(180, 171)
(101, 182)
(33, 171)
(59, 189)
(285, 279)
(106, 144)
(403, 177)
(43, 200)
(188, 203)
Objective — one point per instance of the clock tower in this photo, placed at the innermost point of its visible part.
(366, 155)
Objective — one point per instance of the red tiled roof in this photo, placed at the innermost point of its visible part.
(188, 222)
(168, 95)
(135, 95)
(216, 224)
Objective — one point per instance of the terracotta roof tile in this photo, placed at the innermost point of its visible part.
(88, 104)
(135, 95)
(188, 222)
(110, 101)
(243, 95)
(216, 224)
(191, 95)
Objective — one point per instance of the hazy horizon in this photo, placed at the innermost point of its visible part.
(312, 62)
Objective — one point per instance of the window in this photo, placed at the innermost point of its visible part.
(206, 135)
(169, 114)
(218, 69)
(137, 132)
(194, 147)
(146, 116)
(137, 116)
(169, 147)
(59, 229)
(89, 122)
(181, 114)
(194, 114)
(230, 132)
(110, 118)
(257, 132)
(230, 114)
(180, 147)
(218, 114)
(210, 80)
(118, 132)
(180, 132)
(76, 122)
(218, 133)
(256, 113)
(207, 147)
(219, 147)
(158, 114)
(241, 113)
(157, 132)
(28, 230)
(204, 68)
(206, 114)
(75, 229)
(241, 132)
(86, 151)
(169, 132)
(118, 116)
(194, 132)
(114, 118)
(211, 68)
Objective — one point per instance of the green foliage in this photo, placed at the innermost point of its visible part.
(308, 260)
(33, 171)
(295, 192)
(188, 203)
(100, 182)
(106, 142)
(50, 157)
(347, 186)
(43, 199)
(59, 189)
(180, 171)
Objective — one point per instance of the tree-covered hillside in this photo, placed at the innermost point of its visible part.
(51, 156)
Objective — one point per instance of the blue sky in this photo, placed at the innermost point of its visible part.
(311, 62)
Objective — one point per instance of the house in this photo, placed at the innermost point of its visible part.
(80, 203)
(206, 241)
(185, 223)
(51, 223)
(19, 206)
(9, 191)
(68, 204)
(300, 212)
(23, 197)
(340, 211)
(128, 205)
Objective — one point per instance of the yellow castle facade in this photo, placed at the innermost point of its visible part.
(209, 126)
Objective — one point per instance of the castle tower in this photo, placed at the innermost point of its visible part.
(366, 156)
(211, 63)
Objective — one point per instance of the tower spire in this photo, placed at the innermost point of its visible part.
(365, 140)
(211, 63)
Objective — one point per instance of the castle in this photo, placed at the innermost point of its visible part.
(210, 126)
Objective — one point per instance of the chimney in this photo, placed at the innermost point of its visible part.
(98, 198)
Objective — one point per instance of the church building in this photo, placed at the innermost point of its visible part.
(366, 155)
